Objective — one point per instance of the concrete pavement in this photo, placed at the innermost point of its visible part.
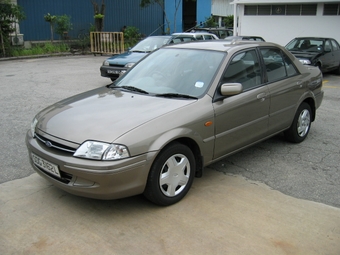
(222, 214)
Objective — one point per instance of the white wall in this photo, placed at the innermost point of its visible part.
(281, 29)
(222, 8)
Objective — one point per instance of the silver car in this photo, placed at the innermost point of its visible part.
(178, 110)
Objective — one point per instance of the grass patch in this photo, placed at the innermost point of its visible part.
(41, 49)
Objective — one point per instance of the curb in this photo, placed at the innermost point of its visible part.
(45, 56)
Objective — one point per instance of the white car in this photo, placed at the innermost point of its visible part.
(187, 37)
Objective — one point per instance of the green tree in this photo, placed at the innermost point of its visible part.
(63, 25)
(99, 14)
(210, 22)
(10, 15)
(229, 21)
(51, 19)
(131, 36)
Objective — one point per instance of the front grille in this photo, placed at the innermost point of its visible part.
(52, 144)
(116, 65)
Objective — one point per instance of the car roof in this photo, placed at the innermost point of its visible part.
(193, 34)
(159, 36)
(315, 38)
(221, 45)
(211, 28)
(244, 36)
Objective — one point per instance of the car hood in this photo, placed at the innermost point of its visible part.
(127, 57)
(305, 55)
(102, 114)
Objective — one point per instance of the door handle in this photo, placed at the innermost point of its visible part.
(299, 84)
(261, 96)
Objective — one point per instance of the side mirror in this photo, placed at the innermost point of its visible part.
(327, 50)
(230, 89)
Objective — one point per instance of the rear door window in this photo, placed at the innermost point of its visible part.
(277, 64)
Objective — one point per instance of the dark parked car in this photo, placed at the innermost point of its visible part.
(317, 51)
(116, 65)
(244, 38)
(181, 108)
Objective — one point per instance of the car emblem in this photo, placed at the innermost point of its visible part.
(48, 144)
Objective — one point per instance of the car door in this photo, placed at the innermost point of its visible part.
(241, 119)
(335, 53)
(328, 58)
(284, 85)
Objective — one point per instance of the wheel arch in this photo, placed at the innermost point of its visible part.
(196, 151)
(194, 147)
(311, 103)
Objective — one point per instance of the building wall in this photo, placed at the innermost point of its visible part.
(118, 13)
(203, 10)
(222, 8)
(281, 29)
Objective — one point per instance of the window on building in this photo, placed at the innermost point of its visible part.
(250, 10)
(264, 9)
(308, 9)
(293, 9)
(280, 9)
(331, 9)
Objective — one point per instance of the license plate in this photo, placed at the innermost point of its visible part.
(114, 71)
(46, 165)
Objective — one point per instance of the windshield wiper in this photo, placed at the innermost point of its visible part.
(131, 88)
(141, 51)
(170, 95)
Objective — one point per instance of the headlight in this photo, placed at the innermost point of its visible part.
(106, 63)
(305, 61)
(128, 65)
(101, 151)
(33, 125)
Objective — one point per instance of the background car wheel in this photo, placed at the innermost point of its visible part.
(171, 175)
(300, 127)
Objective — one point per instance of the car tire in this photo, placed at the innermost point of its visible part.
(171, 175)
(300, 127)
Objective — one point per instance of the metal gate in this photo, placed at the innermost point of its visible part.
(107, 42)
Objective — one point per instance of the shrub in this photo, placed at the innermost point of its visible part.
(131, 36)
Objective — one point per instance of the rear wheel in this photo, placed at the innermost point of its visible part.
(171, 175)
(300, 127)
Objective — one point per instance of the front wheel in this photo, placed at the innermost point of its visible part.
(300, 127)
(171, 175)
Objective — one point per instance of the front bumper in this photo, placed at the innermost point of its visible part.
(91, 178)
(112, 72)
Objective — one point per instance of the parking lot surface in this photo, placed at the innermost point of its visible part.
(273, 198)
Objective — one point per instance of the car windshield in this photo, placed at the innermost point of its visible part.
(150, 44)
(306, 44)
(185, 73)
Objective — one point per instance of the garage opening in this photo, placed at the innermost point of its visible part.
(189, 14)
